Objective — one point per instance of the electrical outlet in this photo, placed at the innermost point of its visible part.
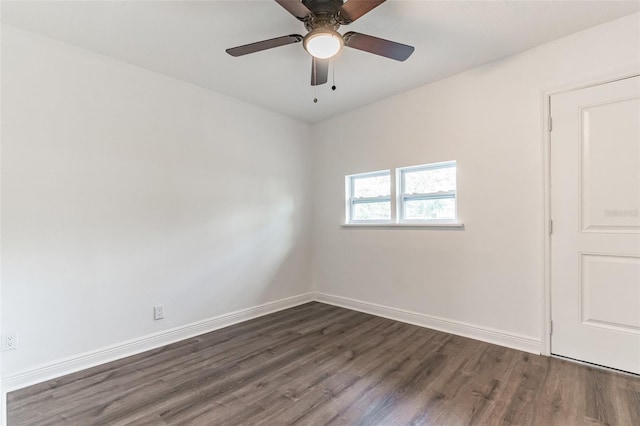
(158, 312)
(10, 341)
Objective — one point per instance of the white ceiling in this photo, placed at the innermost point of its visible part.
(187, 39)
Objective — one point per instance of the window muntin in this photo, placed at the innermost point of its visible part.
(427, 193)
(369, 197)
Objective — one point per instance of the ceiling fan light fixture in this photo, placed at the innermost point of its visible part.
(323, 43)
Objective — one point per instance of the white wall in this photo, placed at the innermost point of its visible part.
(489, 119)
(122, 188)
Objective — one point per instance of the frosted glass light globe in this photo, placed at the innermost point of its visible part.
(323, 43)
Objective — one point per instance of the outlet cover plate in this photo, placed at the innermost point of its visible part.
(158, 312)
(10, 341)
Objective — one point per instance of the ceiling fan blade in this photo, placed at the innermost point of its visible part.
(295, 7)
(319, 71)
(264, 45)
(353, 9)
(378, 46)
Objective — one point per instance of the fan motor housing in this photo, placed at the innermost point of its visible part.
(324, 14)
(330, 6)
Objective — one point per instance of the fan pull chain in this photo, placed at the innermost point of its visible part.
(315, 79)
(333, 71)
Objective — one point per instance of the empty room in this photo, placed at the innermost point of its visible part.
(320, 212)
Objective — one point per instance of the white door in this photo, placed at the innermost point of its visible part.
(595, 208)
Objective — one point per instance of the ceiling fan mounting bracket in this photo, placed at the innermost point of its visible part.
(322, 20)
(317, 6)
(324, 14)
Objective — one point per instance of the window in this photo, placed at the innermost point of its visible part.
(369, 197)
(427, 193)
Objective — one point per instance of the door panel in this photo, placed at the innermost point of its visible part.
(600, 304)
(609, 165)
(595, 207)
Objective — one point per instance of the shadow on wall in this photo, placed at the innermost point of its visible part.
(249, 254)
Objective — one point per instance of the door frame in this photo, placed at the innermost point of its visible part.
(545, 340)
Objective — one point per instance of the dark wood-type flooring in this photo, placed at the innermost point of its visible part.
(317, 364)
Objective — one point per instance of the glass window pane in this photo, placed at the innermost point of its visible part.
(428, 181)
(442, 208)
(372, 211)
(371, 186)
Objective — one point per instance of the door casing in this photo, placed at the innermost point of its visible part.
(545, 341)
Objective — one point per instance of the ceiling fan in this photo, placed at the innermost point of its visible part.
(322, 18)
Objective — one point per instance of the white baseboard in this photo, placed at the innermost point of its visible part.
(152, 341)
(485, 334)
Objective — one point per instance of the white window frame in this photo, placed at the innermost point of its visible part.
(402, 198)
(351, 201)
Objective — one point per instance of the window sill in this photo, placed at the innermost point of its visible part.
(452, 226)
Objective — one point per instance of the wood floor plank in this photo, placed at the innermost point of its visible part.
(318, 364)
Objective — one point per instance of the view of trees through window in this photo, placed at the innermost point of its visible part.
(425, 193)
(372, 186)
(430, 180)
(443, 208)
(366, 191)
(372, 211)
